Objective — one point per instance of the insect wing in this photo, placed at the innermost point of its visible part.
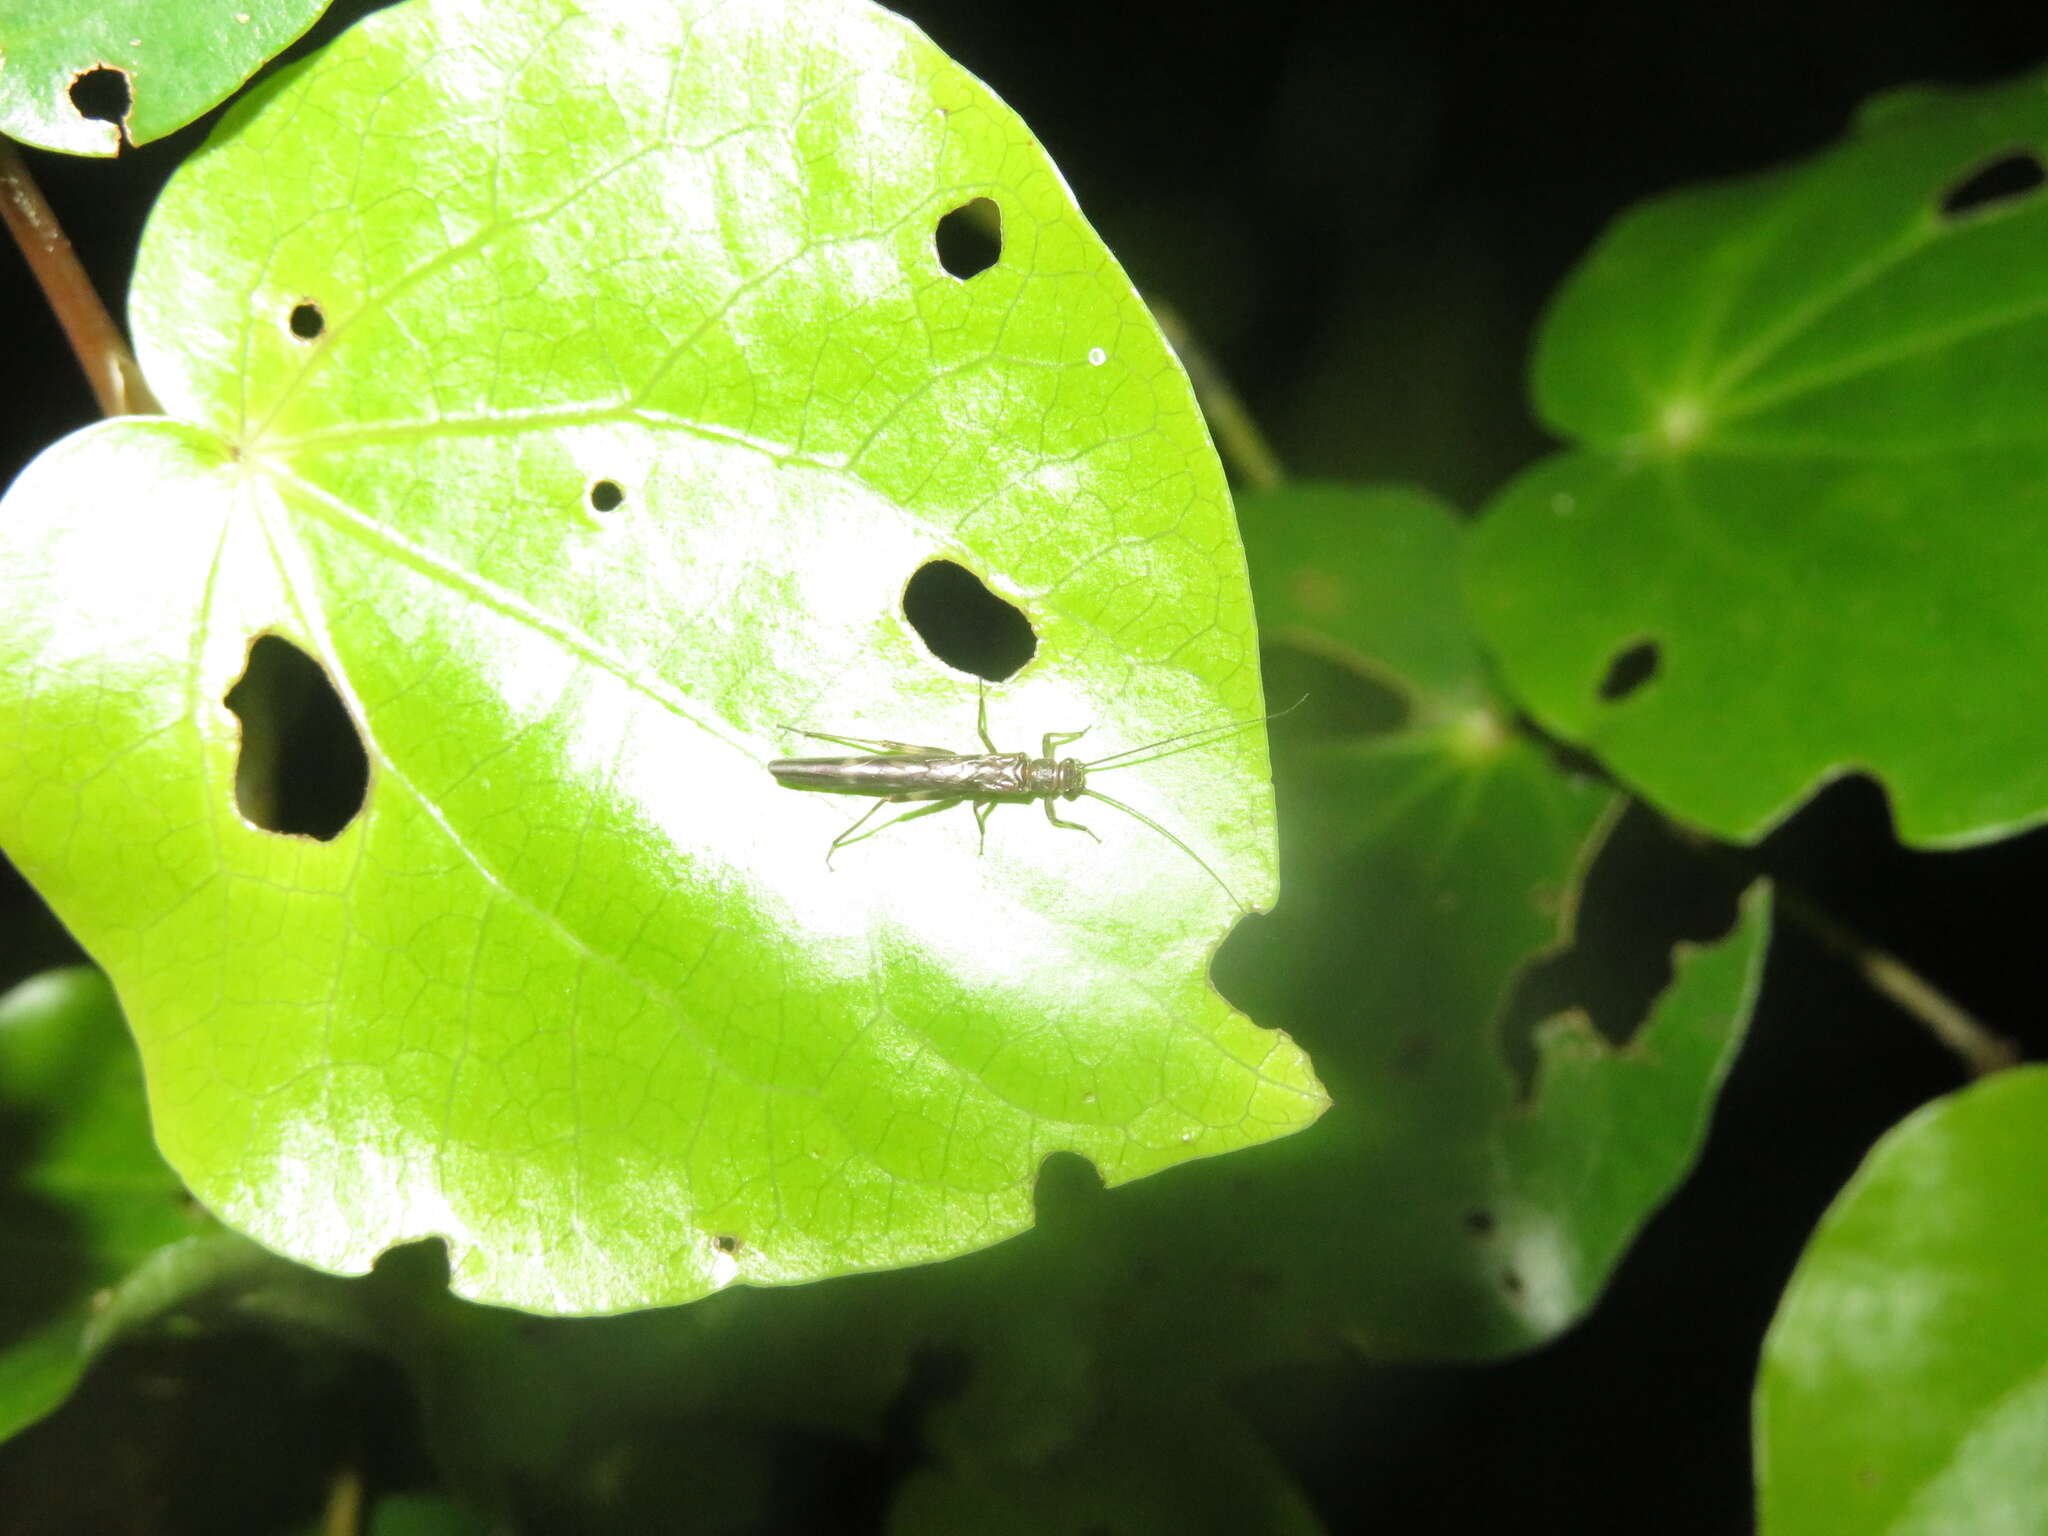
(894, 774)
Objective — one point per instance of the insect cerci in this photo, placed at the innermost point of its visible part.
(898, 772)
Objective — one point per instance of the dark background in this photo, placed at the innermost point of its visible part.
(1360, 211)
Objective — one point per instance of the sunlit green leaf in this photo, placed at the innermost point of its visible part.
(1810, 473)
(1904, 1386)
(84, 1197)
(586, 438)
(179, 57)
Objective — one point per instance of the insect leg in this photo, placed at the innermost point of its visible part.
(853, 834)
(869, 743)
(847, 836)
(1054, 817)
(1055, 739)
(983, 809)
(981, 720)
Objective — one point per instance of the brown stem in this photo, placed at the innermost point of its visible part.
(343, 1515)
(101, 349)
(1981, 1049)
(1238, 438)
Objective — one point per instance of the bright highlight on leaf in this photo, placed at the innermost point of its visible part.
(83, 75)
(580, 388)
(1811, 474)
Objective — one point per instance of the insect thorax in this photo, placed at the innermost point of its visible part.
(1062, 777)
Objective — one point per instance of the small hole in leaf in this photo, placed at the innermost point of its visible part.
(1479, 1221)
(970, 238)
(307, 322)
(726, 1243)
(1629, 671)
(964, 624)
(2006, 179)
(102, 95)
(302, 768)
(605, 496)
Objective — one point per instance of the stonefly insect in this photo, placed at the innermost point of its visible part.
(898, 772)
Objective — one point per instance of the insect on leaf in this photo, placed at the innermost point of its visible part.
(578, 387)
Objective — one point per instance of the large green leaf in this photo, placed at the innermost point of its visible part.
(577, 989)
(86, 1198)
(1904, 1386)
(180, 57)
(1810, 473)
(1444, 1208)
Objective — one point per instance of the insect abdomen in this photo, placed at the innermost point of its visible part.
(854, 775)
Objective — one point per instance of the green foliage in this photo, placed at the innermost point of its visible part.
(577, 990)
(87, 1202)
(586, 440)
(1904, 1386)
(180, 58)
(1804, 474)
(1431, 853)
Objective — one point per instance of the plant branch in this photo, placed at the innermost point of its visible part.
(1238, 438)
(1982, 1050)
(101, 349)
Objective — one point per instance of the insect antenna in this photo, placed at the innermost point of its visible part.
(1137, 815)
(1189, 740)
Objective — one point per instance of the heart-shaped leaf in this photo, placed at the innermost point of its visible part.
(579, 386)
(1904, 1386)
(1800, 534)
(176, 59)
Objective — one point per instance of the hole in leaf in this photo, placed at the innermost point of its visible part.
(302, 768)
(1647, 890)
(1479, 1221)
(2006, 179)
(964, 624)
(102, 95)
(970, 238)
(726, 1243)
(605, 496)
(307, 322)
(1629, 671)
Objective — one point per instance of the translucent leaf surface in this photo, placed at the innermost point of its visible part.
(179, 57)
(86, 1198)
(1904, 1386)
(1810, 473)
(587, 438)
(1440, 1209)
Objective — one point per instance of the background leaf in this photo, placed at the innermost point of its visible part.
(86, 1199)
(1810, 472)
(576, 989)
(1904, 1385)
(1431, 852)
(180, 58)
